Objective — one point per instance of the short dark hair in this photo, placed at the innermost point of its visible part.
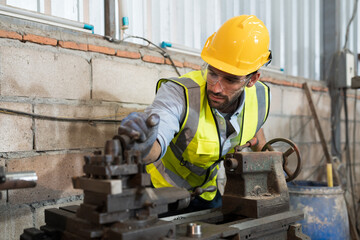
(250, 74)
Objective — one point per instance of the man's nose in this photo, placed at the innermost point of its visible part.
(217, 86)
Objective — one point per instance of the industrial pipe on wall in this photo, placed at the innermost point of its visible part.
(42, 18)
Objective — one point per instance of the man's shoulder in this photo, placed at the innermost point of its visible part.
(192, 79)
(169, 84)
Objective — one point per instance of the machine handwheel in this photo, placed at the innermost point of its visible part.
(293, 148)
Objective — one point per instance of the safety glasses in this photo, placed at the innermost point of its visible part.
(227, 82)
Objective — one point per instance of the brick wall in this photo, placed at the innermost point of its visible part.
(49, 71)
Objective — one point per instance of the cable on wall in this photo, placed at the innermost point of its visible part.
(161, 51)
(349, 23)
(88, 120)
(61, 119)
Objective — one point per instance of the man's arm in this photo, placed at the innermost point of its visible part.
(169, 104)
(154, 153)
(261, 141)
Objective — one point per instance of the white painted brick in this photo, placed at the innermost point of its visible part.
(295, 102)
(317, 174)
(55, 135)
(356, 159)
(350, 108)
(16, 132)
(117, 81)
(350, 132)
(322, 103)
(326, 128)
(302, 129)
(357, 187)
(276, 99)
(312, 154)
(358, 109)
(167, 74)
(276, 127)
(313, 162)
(183, 71)
(35, 73)
(357, 171)
(13, 220)
(40, 212)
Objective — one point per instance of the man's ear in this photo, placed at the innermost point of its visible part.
(254, 78)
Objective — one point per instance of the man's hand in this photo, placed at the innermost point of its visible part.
(142, 131)
(261, 141)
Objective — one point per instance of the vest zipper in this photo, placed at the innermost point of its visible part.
(242, 124)
(219, 137)
(220, 150)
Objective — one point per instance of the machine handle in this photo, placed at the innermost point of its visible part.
(291, 175)
(252, 142)
(198, 191)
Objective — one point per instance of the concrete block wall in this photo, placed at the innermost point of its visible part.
(56, 72)
(48, 71)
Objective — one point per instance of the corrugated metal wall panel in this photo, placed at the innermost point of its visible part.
(68, 9)
(294, 26)
(96, 15)
(31, 5)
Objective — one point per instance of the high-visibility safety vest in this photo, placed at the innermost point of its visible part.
(192, 157)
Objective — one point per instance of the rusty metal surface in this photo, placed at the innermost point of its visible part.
(157, 230)
(272, 227)
(256, 185)
(276, 226)
(295, 232)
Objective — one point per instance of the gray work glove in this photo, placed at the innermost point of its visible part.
(142, 131)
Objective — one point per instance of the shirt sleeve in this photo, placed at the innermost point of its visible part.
(169, 104)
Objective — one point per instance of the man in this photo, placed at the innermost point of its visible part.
(205, 114)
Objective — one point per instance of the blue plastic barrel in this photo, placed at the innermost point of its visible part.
(326, 216)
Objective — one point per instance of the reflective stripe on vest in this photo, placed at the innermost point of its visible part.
(191, 158)
(193, 168)
(256, 109)
(262, 106)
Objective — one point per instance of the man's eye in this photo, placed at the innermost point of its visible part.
(213, 74)
(232, 81)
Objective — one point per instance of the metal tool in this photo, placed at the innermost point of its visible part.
(16, 180)
(252, 142)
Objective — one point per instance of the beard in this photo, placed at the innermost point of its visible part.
(223, 103)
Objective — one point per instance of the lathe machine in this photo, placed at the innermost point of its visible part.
(119, 202)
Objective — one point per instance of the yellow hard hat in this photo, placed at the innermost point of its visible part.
(239, 47)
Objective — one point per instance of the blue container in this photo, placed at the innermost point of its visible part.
(324, 208)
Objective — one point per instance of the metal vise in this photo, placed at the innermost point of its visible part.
(256, 185)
